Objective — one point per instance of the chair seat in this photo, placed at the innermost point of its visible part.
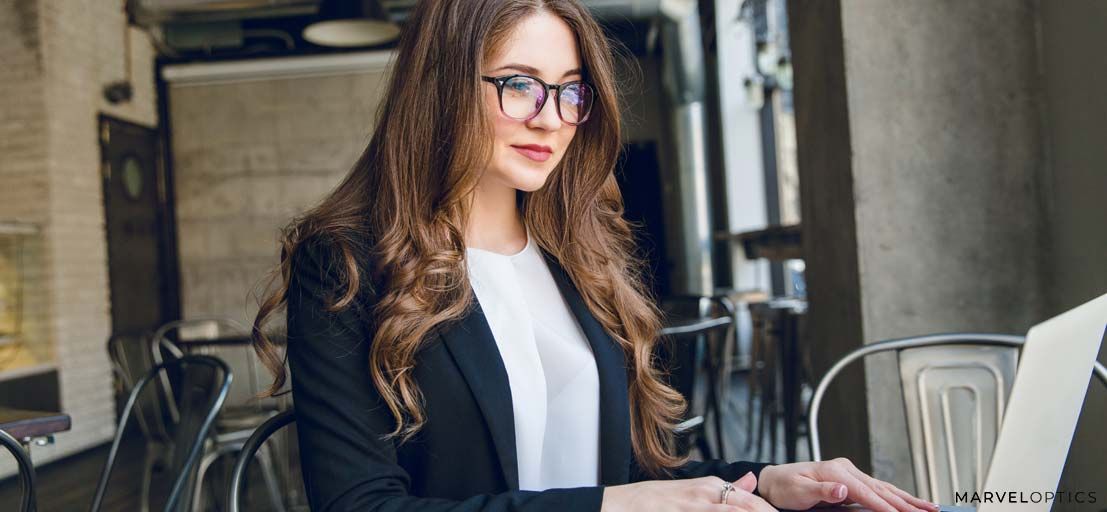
(242, 418)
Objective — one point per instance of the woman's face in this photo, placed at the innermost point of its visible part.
(525, 152)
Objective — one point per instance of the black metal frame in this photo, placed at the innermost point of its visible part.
(499, 82)
(222, 384)
(696, 331)
(259, 437)
(26, 470)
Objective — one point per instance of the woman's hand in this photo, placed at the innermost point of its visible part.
(805, 485)
(688, 495)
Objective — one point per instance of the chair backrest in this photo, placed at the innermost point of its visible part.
(203, 386)
(249, 449)
(132, 359)
(26, 471)
(693, 321)
(955, 389)
(181, 337)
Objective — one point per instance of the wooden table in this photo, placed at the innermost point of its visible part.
(33, 426)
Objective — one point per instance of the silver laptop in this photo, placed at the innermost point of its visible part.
(1054, 370)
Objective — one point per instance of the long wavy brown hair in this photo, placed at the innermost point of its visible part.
(408, 193)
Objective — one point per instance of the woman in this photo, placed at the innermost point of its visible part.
(467, 326)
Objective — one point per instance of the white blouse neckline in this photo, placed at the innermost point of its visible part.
(494, 254)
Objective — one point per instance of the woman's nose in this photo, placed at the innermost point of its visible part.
(547, 118)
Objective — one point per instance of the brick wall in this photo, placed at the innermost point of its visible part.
(57, 56)
(23, 167)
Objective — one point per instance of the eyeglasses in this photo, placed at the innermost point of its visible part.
(523, 96)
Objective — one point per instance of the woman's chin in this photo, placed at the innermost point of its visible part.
(530, 180)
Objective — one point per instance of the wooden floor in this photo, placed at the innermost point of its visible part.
(68, 484)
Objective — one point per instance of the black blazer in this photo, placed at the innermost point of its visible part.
(464, 458)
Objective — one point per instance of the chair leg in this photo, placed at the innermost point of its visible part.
(769, 402)
(266, 461)
(714, 402)
(150, 457)
(201, 472)
(753, 387)
(205, 463)
(757, 395)
(704, 446)
(759, 437)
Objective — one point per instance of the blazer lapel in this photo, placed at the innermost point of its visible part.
(615, 448)
(474, 350)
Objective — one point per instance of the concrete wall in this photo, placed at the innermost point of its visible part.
(58, 55)
(1075, 77)
(945, 110)
(250, 152)
(253, 148)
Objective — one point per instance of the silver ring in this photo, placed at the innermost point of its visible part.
(727, 489)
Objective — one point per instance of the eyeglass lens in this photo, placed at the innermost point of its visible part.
(523, 96)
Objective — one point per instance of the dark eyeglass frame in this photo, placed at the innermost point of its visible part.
(499, 82)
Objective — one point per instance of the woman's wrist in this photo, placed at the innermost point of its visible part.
(765, 480)
(611, 500)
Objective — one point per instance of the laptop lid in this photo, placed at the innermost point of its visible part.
(1054, 370)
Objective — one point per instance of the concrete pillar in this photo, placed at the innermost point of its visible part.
(922, 165)
(829, 228)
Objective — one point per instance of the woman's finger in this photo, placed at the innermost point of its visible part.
(808, 492)
(865, 495)
(711, 489)
(915, 500)
(906, 503)
(832, 492)
(747, 483)
(750, 503)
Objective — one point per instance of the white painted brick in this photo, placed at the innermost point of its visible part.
(55, 57)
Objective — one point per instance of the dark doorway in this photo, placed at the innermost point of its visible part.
(638, 173)
(141, 265)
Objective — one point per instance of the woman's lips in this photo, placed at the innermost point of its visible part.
(534, 152)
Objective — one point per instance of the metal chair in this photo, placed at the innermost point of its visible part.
(710, 330)
(777, 377)
(203, 383)
(246, 454)
(132, 357)
(26, 471)
(981, 367)
(228, 340)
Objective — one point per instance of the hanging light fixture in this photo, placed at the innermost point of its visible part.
(350, 24)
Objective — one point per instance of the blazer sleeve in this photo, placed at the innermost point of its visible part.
(729, 471)
(340, 416)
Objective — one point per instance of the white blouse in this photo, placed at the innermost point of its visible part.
(550, 367)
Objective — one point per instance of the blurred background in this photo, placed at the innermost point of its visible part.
(813, 176)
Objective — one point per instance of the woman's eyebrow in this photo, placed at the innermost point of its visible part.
(534, 71)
